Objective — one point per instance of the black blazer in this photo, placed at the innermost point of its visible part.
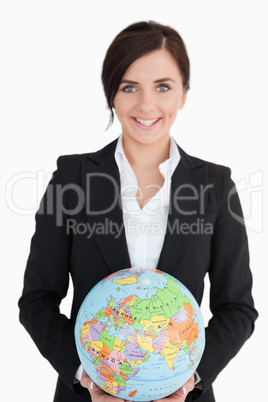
(203, 236)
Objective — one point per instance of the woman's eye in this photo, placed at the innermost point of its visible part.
(163, 88)
(129, 88)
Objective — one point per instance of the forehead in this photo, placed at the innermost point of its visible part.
(154, 65)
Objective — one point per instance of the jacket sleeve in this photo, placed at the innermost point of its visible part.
(46, 282)
(231, 302)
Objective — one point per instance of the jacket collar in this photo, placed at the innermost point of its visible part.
(106, 155)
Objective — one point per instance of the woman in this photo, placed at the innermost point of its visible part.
(143, 178)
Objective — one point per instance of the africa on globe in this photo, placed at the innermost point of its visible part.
(140, 334)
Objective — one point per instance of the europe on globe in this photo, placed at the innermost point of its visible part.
(140, 334)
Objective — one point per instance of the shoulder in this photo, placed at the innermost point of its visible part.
(215, 176)
(191, 162)
(71, 163)
(107, 151)
(70, 166)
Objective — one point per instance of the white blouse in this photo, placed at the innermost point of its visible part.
(145, 228)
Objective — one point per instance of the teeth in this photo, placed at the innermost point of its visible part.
(147, 123)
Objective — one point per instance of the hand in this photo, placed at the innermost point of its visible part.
(181, 394)
(98, 395)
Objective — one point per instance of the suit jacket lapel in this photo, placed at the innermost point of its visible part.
(188, 199)
(101, 184)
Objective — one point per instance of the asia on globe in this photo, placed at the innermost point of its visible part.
(140, 334)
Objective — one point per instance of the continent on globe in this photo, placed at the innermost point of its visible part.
(140, 325)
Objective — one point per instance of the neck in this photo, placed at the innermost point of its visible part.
(146, 155)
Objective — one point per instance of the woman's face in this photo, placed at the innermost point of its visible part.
(149, 96)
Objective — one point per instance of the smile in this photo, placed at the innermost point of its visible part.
(146, 123)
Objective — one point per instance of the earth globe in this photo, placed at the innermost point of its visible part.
(139, 334)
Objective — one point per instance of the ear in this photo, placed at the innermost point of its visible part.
(183, 100)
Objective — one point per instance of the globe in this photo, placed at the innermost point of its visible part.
(139, 334)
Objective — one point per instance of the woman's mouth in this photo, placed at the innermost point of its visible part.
(146, 123)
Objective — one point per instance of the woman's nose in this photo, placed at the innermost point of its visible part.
(146, 102)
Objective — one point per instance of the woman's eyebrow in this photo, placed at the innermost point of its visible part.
(165, 79)
(157, 81)
(129, 82)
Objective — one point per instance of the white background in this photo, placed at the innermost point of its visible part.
(52, 103)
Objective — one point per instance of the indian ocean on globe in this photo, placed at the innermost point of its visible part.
(140, 334)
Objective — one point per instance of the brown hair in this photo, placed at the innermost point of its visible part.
(135, 41)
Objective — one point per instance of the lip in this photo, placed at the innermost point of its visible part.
(146, 119)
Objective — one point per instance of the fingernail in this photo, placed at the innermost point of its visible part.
(184, 390)
(91, 385)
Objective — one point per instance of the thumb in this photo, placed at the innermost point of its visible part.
(86, 381)
(91, 385)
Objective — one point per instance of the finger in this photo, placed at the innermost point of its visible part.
(93, 389)
(85, 380)
(181, 394)
(188, 387)
(91, 386)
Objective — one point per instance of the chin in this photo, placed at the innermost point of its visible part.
(145, 137)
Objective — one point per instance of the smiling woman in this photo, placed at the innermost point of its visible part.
(146, 104)
(132, 43)
(143, 179)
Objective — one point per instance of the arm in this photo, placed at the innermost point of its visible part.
(46, 283)
(231, 302)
